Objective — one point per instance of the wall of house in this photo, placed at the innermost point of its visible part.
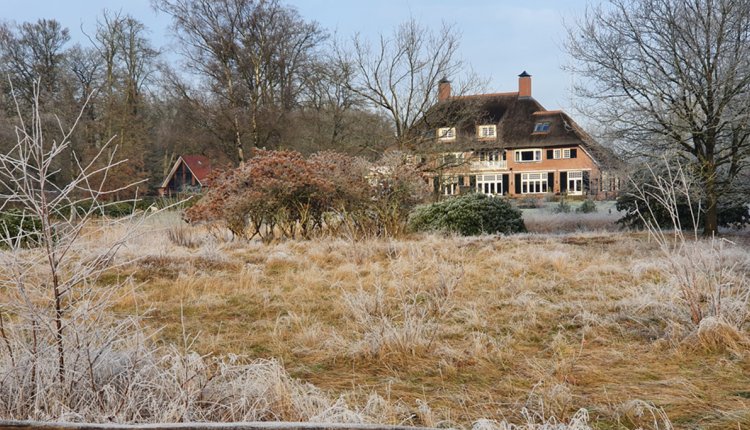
(594, 183)
(582, 162)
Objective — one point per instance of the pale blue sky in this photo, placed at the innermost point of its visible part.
(500, 38)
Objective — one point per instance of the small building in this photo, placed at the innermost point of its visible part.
(509, 144)
(188, 174)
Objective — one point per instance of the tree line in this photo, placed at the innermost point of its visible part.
(251, 74)
(662, 77)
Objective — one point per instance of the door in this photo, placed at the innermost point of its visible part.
(575, 183)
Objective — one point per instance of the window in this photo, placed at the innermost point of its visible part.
(541, 127)
(575, 183)
(447, 133)
(488, 155)
(533, 183)
(450, 186)
(564, 153)
(490, 184)
(453, 158)
(487, 131)
(528, 155)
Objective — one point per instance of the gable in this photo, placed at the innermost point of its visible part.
(198, 166)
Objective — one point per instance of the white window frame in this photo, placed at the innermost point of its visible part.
(575, 183)
(490, 184)
(452, 158)
(534, 183)
(489, 155)
(537, 155)
(446, 133)
(488, 131)
(561, 153)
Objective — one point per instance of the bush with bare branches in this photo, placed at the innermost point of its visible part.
(708, 274)
(282, 194)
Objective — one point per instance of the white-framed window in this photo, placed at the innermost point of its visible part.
(446, 133)
(490, 184)
(528, 155)
(487, 131)
(564, 153)
(453, 158)
(575, 183)
(489, 155)
(533, 183)
(541, 127)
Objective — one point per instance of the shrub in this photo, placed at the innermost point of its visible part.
(281, 193)
(587, 207)
(642, 201)
(15, 226)
(562, 207)
(468, 215)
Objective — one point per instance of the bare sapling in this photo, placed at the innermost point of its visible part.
(52, 305)
(709, 273)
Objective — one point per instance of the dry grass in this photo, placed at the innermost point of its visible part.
(527, 329)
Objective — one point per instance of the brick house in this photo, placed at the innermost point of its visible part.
(509, 144)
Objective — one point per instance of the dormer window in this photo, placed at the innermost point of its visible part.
(447, 133)
(541, 127)
(487, 131)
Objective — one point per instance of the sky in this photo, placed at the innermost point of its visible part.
(499, 38)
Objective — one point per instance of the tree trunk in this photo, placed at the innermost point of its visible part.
(711, 219)
(238, 140)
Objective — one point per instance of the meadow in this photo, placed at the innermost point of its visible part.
(443, 331)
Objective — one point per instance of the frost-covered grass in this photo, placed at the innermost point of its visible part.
(546, 218)
(435, 330)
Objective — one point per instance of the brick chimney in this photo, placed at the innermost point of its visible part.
(524, 84)
(444, 90)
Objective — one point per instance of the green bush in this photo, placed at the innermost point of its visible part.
(16, 227)
(587, 207)
(469, 215)
(562, 207)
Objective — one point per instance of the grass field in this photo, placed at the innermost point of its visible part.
(458, 329)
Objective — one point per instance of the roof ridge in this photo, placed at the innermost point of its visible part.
(467, 96)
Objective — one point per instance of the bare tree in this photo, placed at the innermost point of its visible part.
(251, 56)
(47, 283)
(126, 62)
(674, 76)
(34, 52)
(399, 75)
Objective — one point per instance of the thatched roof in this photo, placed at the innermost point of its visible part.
(516, 119)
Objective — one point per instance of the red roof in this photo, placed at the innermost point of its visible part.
(199, 165)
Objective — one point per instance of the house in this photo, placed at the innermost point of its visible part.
(188, 174)
(509, 144)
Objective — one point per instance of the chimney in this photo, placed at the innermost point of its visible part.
(444, 90)
(524, 85)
